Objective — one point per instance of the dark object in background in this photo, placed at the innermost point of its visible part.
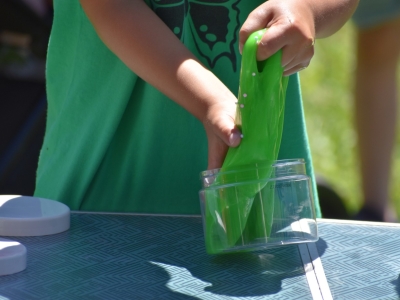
(332, 206)
(22, 119)
(16, 16)
(23, 46)
(367, 214)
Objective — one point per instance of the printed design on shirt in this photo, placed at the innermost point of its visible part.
(212, 24)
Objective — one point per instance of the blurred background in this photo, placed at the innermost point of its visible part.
(327, 86)
(24, 32)
(327, 92)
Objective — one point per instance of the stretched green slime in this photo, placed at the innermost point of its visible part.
(243, 212)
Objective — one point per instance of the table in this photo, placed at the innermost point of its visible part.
(361, 259)
(128, 256)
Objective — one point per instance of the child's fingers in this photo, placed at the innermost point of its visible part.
(297, 57)
(217, 150)
(234, 138)
(218, 147)
(228, 133)
(290, 28)
(258, 19)
(292, 37)
(300, 62)
(216, 153)
(293, 70)
(221, 134)
(274, 39)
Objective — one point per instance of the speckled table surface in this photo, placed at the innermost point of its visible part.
(361, 260)
(115, 256)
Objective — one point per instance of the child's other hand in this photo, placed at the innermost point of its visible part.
(290, 28)
(221, 132)
(293, 26)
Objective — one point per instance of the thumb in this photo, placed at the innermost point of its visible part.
(226, 130)
(220, 137)
(234, 138)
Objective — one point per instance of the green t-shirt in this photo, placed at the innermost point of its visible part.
(115, 143)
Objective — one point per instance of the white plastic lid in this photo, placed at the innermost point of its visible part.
(32, 216)
(12, 257)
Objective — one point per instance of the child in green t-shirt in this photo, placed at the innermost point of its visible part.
(114, 141)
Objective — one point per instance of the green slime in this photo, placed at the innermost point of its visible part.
(236, 213)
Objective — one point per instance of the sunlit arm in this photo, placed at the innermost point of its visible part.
(151, 50)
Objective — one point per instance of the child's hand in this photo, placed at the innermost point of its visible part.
(293, 26)
(221, 132)
(290, 28)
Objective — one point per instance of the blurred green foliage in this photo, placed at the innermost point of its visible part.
(327, 87)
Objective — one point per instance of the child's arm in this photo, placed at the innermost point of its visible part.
(150, 49)
(294, 25)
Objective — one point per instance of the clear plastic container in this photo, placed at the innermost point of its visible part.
(257, 207)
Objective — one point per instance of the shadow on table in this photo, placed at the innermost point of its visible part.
(321, 246)
(239, 276)
(177, 247)
(396, 284)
